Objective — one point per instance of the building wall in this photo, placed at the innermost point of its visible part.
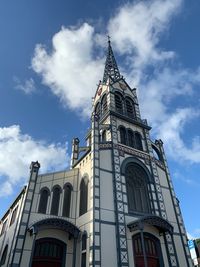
(11, 230)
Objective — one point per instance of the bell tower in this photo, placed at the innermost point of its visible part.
(135, 208)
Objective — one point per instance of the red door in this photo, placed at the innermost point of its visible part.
(48, 253)
(151, 249)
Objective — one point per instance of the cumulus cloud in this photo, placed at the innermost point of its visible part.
(164, 85)
(27, 87)
(170, 131)
(136, 30)
(72, 68)
(6, 189)
(17, 150)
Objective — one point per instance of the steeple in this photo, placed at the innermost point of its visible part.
(111, 68)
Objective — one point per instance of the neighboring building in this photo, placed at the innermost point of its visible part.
(197, 248)
(115, 207)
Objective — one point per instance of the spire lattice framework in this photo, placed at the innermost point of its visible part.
(111, 68)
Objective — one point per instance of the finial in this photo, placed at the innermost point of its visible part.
(108, 36)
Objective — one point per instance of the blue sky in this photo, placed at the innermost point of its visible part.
(52, 55)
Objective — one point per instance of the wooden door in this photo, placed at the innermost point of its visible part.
(151, 249)
(48, 253)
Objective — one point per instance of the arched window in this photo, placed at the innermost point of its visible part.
(137, 190)
(138, 141)
(3, 229)
(157, 153)
(118, 103)
(84, 250)
(130, 108)
(44, 194)
(4, 255)
(131, 140)
(104, 104)
(104, 136)
(152, 249)
(83, 196)
(98, 109)
(67, 200)
(55, 200)
(122, 132)
(49, 252)
(14, 214)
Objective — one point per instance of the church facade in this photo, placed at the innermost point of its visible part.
(115, 207)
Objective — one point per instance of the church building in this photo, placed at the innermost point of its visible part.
(115, 206)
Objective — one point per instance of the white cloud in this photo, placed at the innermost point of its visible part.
(150, 17)
(70, 70)
(136, 30)
(17, 150)
(169, 122)
(163, 86)
(190, 236)
(6, 189)
(170, 131)
(27, 87)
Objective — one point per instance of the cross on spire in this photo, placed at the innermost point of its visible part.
(111, 68)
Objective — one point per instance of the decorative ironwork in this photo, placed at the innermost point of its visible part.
(111, 68)
(54, 223)
(158, 222)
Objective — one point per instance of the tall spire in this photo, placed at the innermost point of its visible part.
(111, 68)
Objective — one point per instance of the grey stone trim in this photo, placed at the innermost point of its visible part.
(105, 222)
(26, 212)
(166, 246)
(95, 263)
(23, 224)
(121, 242)
(95, 176)
(161, 206)
(33, 177)
(21, 236)
(17, 250)
(97, 233)
(104, 170)
(174, 201)
(136, 121)
(31, 190)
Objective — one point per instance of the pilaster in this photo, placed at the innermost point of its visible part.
(20, 239)
(160, 208)
(122, 249)
(176, 206)
(95, 233)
